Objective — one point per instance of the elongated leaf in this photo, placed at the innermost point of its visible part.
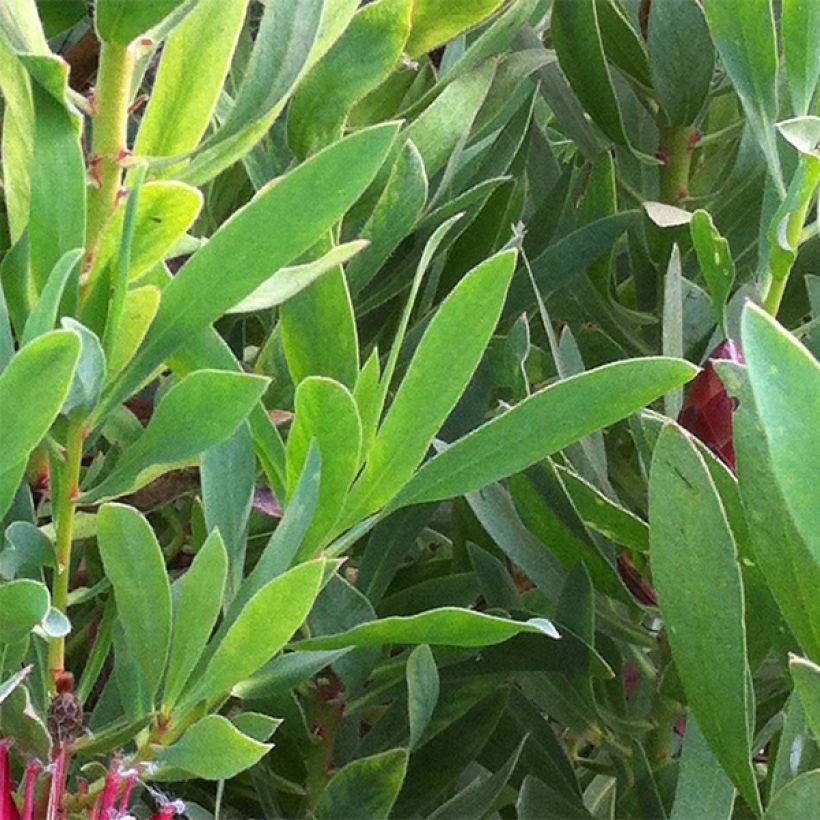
(44, 314)
(796, 797)
(57, 216)
(90, 374)
(393, 217)
(355, 65)
(33, 388)
(747, 46)
(697, 577)
(272, 293)
(442, 366)
(715, 260)
(23, 604)
(434, 24)
(260, 630)
(576, 36)
(325, 413)
(792, 572)
(195, 61)
(785, 380)
(437, 627)
(197, 608)
(141, 306)
(121, 21)
(283, 221)
(135, 565)
(806, 677)
(543, 424)
(213, 749)
(367, 787)
(422, 691)
(800, 26)
(703, 791)
(227, 475)
(679, 36)
(218, 400)
(623, 45)
(165, 210)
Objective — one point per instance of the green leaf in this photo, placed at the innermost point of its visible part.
(197, 608)
(57, 209)
(602, 514)
(785, 380)
(165, 211)
(422, 691)
(794, 799)
(281, 222)
(325, 412)
(393, 218)
(285, 672)
(44, 314)
(800, 30)
(121, 21)
(355, 65)
(703, 791)
(367, 787)
(441, 368)
(623, 45)
(33, 388)
(747, 46)
(696, 574)
(195, 61)
(19, 720)
(219, 401)
(227, 476)
(576, 36)
(536, 801)
(672, 331)
(259, 726)
(135, 565)
(23, 604)
(434, 24)
(806, 677)
(678, 38)
(10, 684)
(141, 306)
(715, 261)
(26, 549)
(90, 375)
(791, 571)
(542, 424)
(437, 627)
(213, 749)
(275, 290)
(261, 629)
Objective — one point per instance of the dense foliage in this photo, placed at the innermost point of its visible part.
(348, 466)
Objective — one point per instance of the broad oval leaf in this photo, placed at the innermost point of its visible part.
(700, 592)
(542, 424)
(135, 565)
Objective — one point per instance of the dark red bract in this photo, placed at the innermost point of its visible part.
(707, 408)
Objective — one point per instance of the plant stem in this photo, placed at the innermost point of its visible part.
(66, 492)
(676, 152)
(109, 134)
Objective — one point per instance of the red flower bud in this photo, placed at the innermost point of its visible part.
(707, 408)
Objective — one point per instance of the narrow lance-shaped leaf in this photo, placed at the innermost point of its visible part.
(696, 573)
(434, 24)
(542, 424)
(806, 677)
(197, 608)
(800, 28)
(135, 565)
(44, 314)
(121, 21)
(422, 690)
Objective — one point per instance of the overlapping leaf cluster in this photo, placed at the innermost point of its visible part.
(341, 347)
